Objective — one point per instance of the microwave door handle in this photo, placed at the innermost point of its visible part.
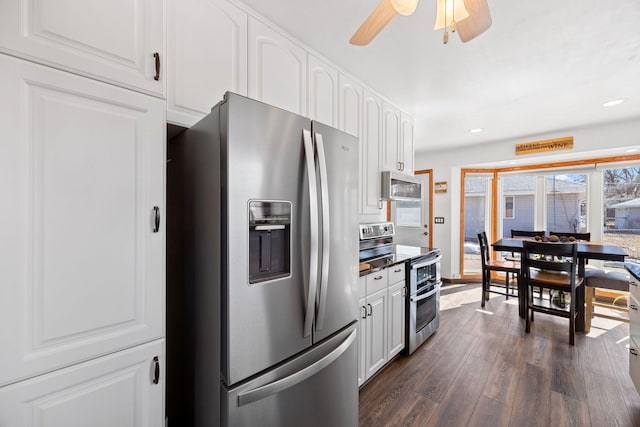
(425, 296)
(313, 217)
(324, 197)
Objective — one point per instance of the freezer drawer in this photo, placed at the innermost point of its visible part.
(317, 389)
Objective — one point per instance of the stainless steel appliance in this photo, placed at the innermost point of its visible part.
(270, 217)
(396, 186)
(423, 311)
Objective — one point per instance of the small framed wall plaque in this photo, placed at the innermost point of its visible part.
(440, 187)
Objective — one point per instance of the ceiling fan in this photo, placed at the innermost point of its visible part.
(469, 18)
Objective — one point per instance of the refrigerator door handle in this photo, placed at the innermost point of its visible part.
(326, 236)
(267, 390)
(313, 214)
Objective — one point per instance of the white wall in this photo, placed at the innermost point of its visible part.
(589, 142)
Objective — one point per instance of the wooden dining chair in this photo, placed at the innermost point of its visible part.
(552, 266)
(510, 268)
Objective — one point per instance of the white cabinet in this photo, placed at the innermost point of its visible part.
(120, 389)
(407, 152)
(207, 56)
(322, 96)
(391, 138)
(82, 257)
(113, 41)
(370, 154)
(382, 319)
(397, 151)
(376, 332)
(396, 321)
(350, 106)
(277, 69)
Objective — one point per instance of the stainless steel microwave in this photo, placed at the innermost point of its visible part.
(396, 186)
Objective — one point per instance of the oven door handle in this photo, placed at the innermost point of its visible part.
(429, 262)
(425, 296)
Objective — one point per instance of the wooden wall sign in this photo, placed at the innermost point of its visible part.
(440, 187)
(546, 145)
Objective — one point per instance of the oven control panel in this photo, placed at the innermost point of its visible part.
(376, 230)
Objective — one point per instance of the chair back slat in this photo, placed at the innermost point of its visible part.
(484, 248)
(556, 257)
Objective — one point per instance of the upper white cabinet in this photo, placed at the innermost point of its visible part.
(370, 153)
(120, 389)
(82, 257)
(391, 138)
(277, 69)
(115, 41)
(207, 56)
(350, 106)
(322, 97)
(406, 143)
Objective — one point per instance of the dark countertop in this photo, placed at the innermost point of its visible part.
(634, 269)
(399, 254)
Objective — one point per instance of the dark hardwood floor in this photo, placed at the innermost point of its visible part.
(482, 369)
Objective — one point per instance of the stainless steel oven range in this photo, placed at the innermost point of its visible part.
(423, 301)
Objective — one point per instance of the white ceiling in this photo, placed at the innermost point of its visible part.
(543, 66)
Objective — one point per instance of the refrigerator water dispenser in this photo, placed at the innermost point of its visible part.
(269, 240)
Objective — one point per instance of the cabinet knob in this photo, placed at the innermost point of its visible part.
(156, 55)
(156, 370)
(370, 310)
(156, 219)
(377, 278)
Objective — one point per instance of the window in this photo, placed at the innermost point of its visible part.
(621, 219)
(509, 210)
(477, 209)
(409, 213)
(565, 202)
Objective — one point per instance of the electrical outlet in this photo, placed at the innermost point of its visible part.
(438, 220)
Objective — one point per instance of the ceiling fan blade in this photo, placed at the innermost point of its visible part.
(478, 22)
(379, 18)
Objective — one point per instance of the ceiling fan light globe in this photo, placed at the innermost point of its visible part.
(404, 7)
(458, 14)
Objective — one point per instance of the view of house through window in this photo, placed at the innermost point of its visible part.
(521, 190)
(477, 195)
(622, 209)
(566, 209)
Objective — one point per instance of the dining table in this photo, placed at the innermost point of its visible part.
(586, 251)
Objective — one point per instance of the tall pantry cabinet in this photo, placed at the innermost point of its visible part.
(82, 175)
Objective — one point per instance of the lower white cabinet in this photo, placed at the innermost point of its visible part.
(376, 326)
(382, 321)
(396, 322)
(124, 389)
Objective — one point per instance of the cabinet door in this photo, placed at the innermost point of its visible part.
(391, 138)
(350, 106)
(277, 69)
(362, 342)
(81, 170)
(376, 331)
(396, 305)
(323, 92)
(634, 363)
(113, 40)
(406, 146)
(114, 390)
(207, 56)
(370, 147)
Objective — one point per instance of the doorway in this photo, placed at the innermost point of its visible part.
(413, 219)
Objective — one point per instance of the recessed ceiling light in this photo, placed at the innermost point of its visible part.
(476, 130)
(614, 102)
(631, 150)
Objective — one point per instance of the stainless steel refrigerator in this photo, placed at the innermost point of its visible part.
(269, 203)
